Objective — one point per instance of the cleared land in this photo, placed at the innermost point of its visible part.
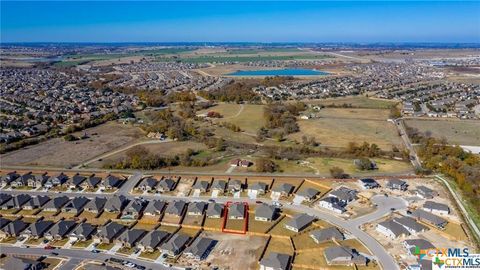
(58, 152)
(355, 101)
(462, 132)
(248, 117)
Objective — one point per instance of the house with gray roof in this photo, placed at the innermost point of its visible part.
(91, 182)
(344, 194)
(75, 205)
(56, 204)
(166, 184)
(83, 232)
(175, 245)
(283, 189)
(9, 177)
(110, 182)
(219, 185)
(36, 202)
(154, 208)
(201, 186)
(130, 237)
(259, 188)
(430, 218)
(13, 229)
(38, 180)
(308, 194)
(133, 209)
(275, 261)
(96, 205)
(410, 224)
(22, 181)
(236, 211)
(200, 248)
(299, 222)
(265, 212)
(196, 208)
(57, 180)
(340, 255)
(76, 181)
(234, 185)
(436, 208)
(17, 202)
(14, 263)
(4, 198)
(37, 229)
(411, 244)
(426, 193)
(60, 229)
(397, 184)
(368, 183)
(115, 204)
(3, 222)
(327, 234)
(152, 240)
(147, 184)
(215, 210)
(392, 229)
(176, 208)
(332, 204)
(108, 233)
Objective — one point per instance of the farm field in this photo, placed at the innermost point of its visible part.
(462, 132)
(58, 152)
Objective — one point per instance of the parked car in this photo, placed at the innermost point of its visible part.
(49, 247)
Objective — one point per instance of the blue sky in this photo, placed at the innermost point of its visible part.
(337, 21)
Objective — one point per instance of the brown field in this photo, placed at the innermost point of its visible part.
(462, 132)
(280, 245)
(193, 220)
(172, 219)
(354, 101)
(57, 152)
(247, 116)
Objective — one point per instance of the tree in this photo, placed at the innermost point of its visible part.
(395, 113)
(338, 173)
(265, 165)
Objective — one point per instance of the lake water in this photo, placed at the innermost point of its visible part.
(279, 72)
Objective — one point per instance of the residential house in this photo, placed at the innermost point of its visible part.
(17, 202)
(38, 180)
(430, 218)
(38, 229)
(339, 255)
(115, 204)
(147, 184)
(276, 261)
(332, 204)
(13, 229)
(436, 208)
(200, 186)
(76, 181)
(56, 204)
(91, 182)
(75, 205)
(152, 240)
(36, 202)
(410, 224)
(96, 205)
(327, 234)
(282, 190)
(4, 198)
(166, 185)
(344, 195)
(134, 209)
(236, 211)
(110, 182)
(129, 238)
(397, 184)
(219, 186)
(60, 229)
(299, 222)
(200, 248)
(22, 181)
(265, 212)
(368, 183)
(392, 229)
(3, 222)
(257, 188)
(308, 194)
(234, 186)
(154, 208)
(58, 180)
(83, 232)
(9, 177)
(175, 245)
(426, 192)
(14, 263)
(108, 233)
(412, 244)
(215, 210)
(176, 208)
(196, 208)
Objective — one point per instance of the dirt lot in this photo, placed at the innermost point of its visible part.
(57, 152)
(235, 251)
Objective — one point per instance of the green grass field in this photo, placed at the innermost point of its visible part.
(463, 132)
